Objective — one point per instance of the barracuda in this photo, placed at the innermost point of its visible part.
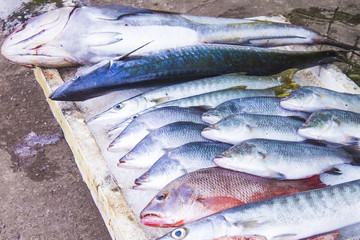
(184, 64)
(85, 35)
(125, 109)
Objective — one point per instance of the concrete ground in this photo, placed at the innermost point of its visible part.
(42, 192)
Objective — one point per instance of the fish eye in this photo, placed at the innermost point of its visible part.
(144, 176)
(161, 196)
(128, 155)
(135, 116)
(178, 233)
(118, 106)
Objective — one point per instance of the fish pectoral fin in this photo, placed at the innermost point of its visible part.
(127, 54)
(251, 223)
(219, 203)
(276, 175)
(160, 100)
(286, 236)
(202, 107)
(334, 171)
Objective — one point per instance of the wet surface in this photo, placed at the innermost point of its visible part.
(45, 195)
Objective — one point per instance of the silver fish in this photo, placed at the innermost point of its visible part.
(184, 159)
(311, 99)
(208, 100)
(145, 123)
(293, 216)
(335, 126)
(281, 159)
(125, 109)
(253, 105)
(237, 128)
(161, 140)
(85, 35)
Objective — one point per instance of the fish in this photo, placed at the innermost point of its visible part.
(205, 101)
(281, 159)
(253, 105)
(239, 127)
(179, 161)
(129, 107)
(312, 99)
(207, 191)
(334, 126)
(160, 141)
(72, 36)
(293, 216)
(145, 123)
(184, 64)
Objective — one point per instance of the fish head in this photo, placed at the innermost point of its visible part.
(212, 116)
(322, 125)
(170, 207)
(161, 173)
(241, 156)
(30, 43)
(129, 137)
(301, 99)
(123, 111)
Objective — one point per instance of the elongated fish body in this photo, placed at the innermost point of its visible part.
(311, 99)
(125, 109)
(184, 159)
(159, 141)
(336, 126)
(237, 128)
(145, 123)
(85, 35)
(185, 63)
(281, 159)
(207, 191)
(253, 105)
(207, 101)
(293, 216)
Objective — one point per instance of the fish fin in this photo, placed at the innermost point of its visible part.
(250, 223)
(160, 100)
(313, 182)
(334, 171)
(132, 51)
(262, 155)
(219, 203)
(276, 175)
(201, 108)
(285, 236)
(352, 140)
(287, 75)
(238, 87)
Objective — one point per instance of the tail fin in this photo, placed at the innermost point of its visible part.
(333, 42)
(313, 182)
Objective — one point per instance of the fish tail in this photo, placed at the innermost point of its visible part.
(332, 42)
(313, 182)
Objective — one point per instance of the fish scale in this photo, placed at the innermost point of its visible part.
(179, 64)
(210, 190)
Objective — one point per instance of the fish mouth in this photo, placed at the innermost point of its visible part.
(153, 219)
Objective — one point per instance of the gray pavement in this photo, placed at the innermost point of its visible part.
(42, 192)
